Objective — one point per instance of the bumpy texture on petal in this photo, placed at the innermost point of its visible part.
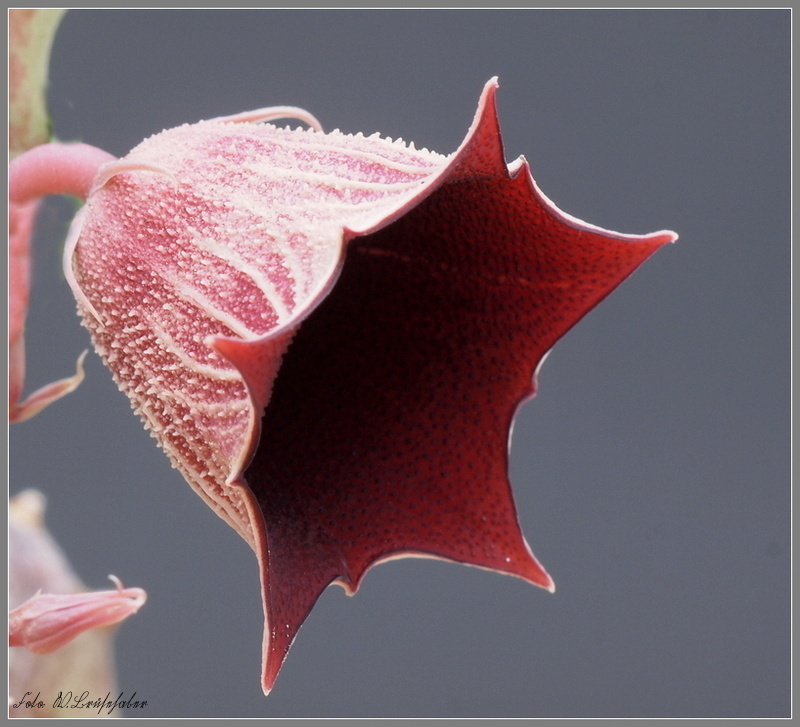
(234, 241)
(330, 336)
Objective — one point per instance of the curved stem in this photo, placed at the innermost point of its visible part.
(54, 169)
(41, 171)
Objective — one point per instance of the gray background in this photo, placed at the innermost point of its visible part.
(651, 472)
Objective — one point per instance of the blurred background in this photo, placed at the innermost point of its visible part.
(651, 472)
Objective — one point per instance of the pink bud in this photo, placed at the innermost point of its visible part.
(48, 621)
(36, 564)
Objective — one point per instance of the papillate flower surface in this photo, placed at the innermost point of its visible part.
(330, 336)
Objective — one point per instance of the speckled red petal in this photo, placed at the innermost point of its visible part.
(387, 431)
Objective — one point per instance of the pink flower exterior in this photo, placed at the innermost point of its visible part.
(195, 278)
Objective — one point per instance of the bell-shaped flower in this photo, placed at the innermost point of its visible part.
(330, 335)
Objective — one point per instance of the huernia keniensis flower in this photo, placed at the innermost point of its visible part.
(330, 335)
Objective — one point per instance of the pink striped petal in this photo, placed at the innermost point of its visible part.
(211, 236)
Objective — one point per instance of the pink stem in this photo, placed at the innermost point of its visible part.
(54, 169)
(41, 171)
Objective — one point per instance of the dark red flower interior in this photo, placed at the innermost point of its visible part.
(387, 431)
